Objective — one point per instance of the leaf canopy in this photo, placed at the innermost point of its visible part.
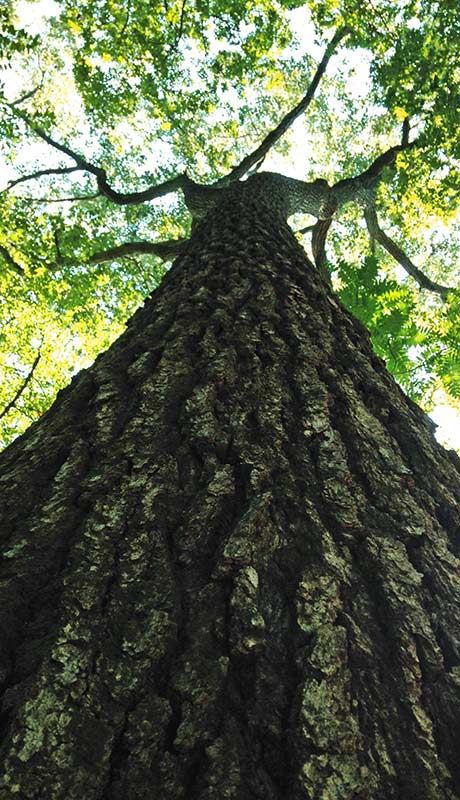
(146, 91)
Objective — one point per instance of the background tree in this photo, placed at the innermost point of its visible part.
(230, 548)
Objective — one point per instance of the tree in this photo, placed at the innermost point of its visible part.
(230, 561)
(146, 96)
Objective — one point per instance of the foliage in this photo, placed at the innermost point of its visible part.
(416, 70)
(148, 91)
(387, 308)
(13, 38)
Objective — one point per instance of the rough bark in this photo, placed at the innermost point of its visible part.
(230, 553)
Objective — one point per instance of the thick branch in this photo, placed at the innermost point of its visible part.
(22, 388)
(164, 250)
(391, 247)
(373, 173)
(405, 132)
(121, 198)
(133, 198)
(318, 242)
(360, 188)
(260, 152)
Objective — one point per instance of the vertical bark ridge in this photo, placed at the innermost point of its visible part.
(230, 553)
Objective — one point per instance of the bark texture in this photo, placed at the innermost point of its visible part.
(230, 553)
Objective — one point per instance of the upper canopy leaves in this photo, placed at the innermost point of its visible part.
(118, 97)
(415, 64)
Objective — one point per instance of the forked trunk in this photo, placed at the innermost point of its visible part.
(230, 553)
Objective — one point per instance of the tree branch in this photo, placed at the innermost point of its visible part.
(370, 215)
(181, 25)
(303, 231)
(349, 188)
(260, 152)
(11, 262)
(26, 96)
(164, 250)
(318, 244)
(40, 173)
(256, 167)
(134, 198)
(405, 132)
(125, 24)
(22, 388)
(362, 189)
(75, 198)
(120, 198)
(371, 176)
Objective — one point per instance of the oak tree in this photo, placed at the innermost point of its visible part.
(230, 547)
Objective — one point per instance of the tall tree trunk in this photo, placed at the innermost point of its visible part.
(230, 554)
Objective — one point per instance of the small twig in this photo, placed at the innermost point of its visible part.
(22, 388)
(181, 26)
(26, 96)
(83, 197)
(381, 17)
(125, 24)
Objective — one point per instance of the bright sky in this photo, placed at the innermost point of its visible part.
(448, 420)
(31, 14)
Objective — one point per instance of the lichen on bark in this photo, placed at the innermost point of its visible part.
(231, 553)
